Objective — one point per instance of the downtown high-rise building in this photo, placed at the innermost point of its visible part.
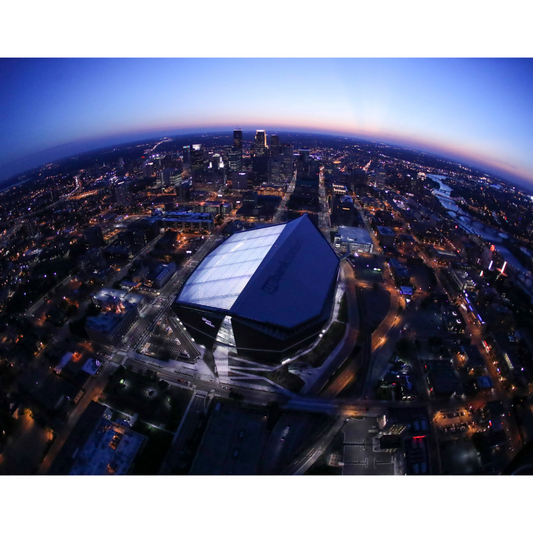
(305, 155)
(275, 170)
(148, 170)
(260, 143)
(275, 147)
(122, 194)
(237, 140)
(186, 155)
(197, 157)
(288, 164)
(168, 177)
(235, 154)
(239, 181)
(234, 159)
(379, 178)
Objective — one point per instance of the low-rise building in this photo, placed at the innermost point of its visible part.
(441, 377)
(357, 240)
(473, 359)
(115, 254)
(120, 310)
(442, 256)
(187, 221)
(462, 280)
(400, 272)
(97, 446)
(161, 275)
(385, 235)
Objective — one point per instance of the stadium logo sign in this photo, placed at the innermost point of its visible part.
(208, 322)
(271, 285)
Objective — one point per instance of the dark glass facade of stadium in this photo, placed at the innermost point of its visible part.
(276, 284)
(255, 340)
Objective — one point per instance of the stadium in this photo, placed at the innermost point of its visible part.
(262, 294)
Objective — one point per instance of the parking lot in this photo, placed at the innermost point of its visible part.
(358, 457)
(367, 268)
(454, 423)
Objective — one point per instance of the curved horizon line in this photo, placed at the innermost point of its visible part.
(455, 153)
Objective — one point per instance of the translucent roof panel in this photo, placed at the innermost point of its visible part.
(224, 273)
(280, 275)
(293, 282)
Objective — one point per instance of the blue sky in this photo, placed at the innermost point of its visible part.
(476, 110)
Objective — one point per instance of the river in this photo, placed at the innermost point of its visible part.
(475, 226)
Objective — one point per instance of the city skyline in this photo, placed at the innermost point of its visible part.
(404, 134)
(477, 111)
(162, 313)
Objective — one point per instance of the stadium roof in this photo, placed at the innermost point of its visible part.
(279, 274)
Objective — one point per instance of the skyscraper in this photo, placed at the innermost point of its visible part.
(260, 143)
(274, 144)
(122, 195)
(234, 160)
(239, 181)
(379, 179)
(94, 237)
(275, 170)
(186, 155)
(197, 157)
(235, 155)
(30, 228)
(287, 161)
(168, 177)
(237, 140)
(305, 155)
(148, 170)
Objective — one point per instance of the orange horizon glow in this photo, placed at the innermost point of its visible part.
(444, 148)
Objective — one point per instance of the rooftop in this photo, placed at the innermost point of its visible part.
(108, 294)
(110, 449)
(106, 322)
(186, 216)
(265, 274)
(350, 234)
(384, 230)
